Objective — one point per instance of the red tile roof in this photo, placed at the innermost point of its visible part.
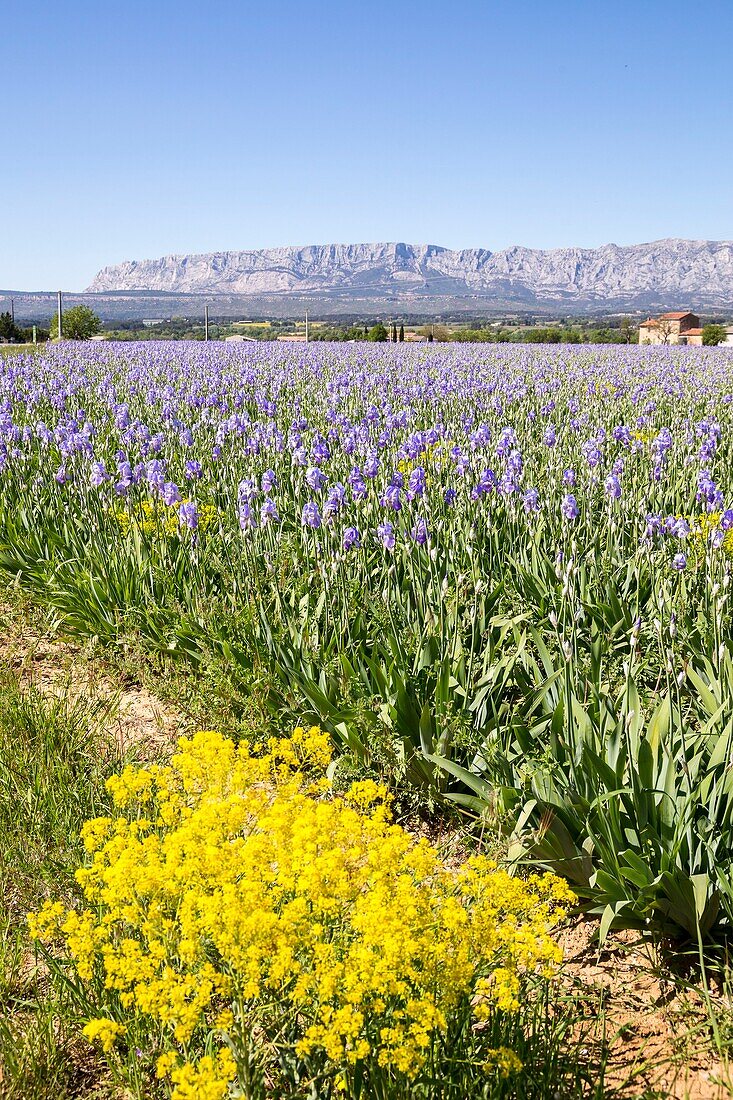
(675, 316)
(692, 332)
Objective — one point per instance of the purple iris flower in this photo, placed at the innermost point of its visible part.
(420, 532)
(268, 481)
(391, 498)
(320, 451)
(568, 477)
(170, 494)
(612, 485)
(188, 515)
(487, 481)
(515, 461)
(508, 483)
(315, 478)
(708, 491)
(98, 475)
(358, 485)
(592, 453)
(124, 472)
(268, 511)
(351, 539)
(247, 518)
(507, 440)
(462, 461)
(569, 507)
(416, 483)
(385, 531)
(311, 516)
(335, 500)
(530, 500)
(247, 490)
(192, 471)
(371, 465)
(679, 562)
(155, 473)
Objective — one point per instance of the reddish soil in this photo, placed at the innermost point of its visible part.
(657, 1030)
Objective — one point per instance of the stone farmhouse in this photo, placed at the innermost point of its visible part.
(671, 328)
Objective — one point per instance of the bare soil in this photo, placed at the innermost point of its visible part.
(137, 719)
(657, 1024)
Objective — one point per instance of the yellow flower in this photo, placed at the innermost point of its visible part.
(103, 1031)
(235, 878)
(503, 1061)
(165, 1063)
(208, 1080)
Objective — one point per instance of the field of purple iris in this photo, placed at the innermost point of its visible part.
(500, 573)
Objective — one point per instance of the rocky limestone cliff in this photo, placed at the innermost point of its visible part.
(693, 272)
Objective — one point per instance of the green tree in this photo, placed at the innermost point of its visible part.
(377, 333)
(77, 323)
(8, 328)
(402, 333)
(627, 329)
(712, 335)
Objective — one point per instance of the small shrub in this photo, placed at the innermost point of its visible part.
(246, 928)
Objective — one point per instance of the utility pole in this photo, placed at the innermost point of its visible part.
(306, 326)
(59, 313)
(206, 323)
(35, 335)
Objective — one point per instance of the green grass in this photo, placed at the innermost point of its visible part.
(18, 349)
(54, 760)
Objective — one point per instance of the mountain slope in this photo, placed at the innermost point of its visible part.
(694, 272)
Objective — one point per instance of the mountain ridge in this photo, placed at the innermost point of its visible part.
(698, 271)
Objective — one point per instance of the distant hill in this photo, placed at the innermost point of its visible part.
(350, 278)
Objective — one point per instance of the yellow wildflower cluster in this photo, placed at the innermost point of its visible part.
(503, 1062)
(701, 528)
(103, 1031)
(233, 890)
(435, 455)
(155, 518)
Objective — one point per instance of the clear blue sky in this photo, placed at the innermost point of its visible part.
(134, 130)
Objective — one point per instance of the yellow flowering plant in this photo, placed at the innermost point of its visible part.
(154, 518)
(269, 932)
